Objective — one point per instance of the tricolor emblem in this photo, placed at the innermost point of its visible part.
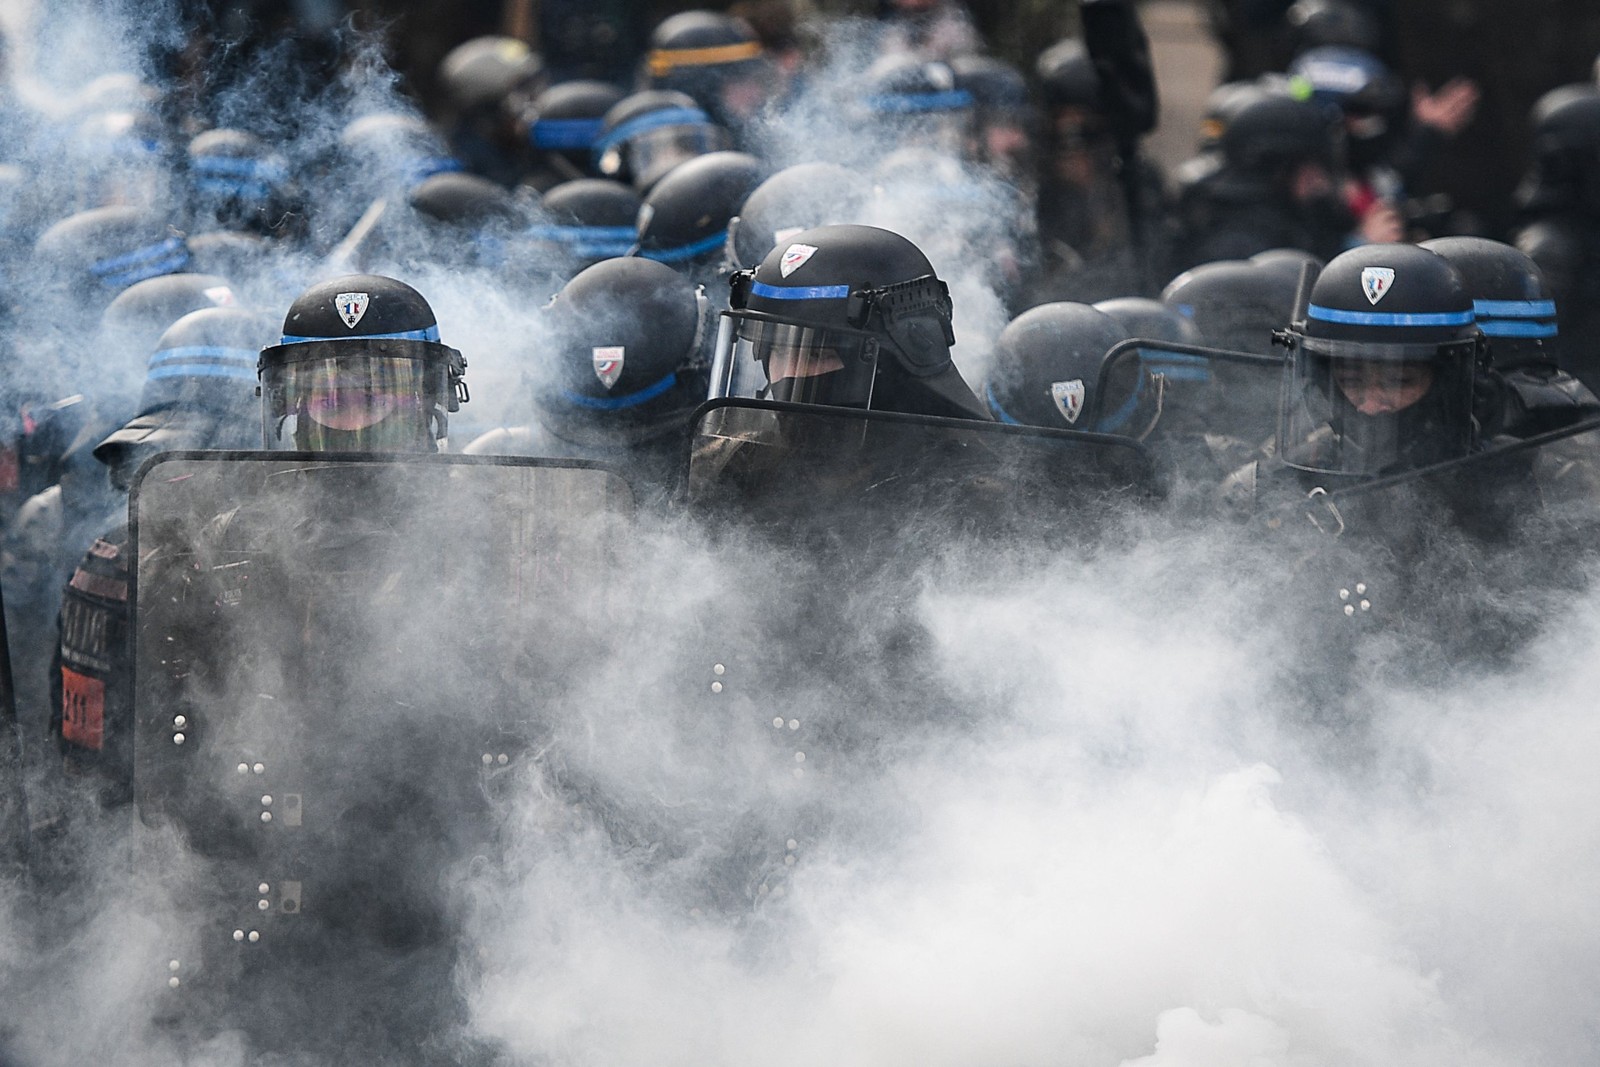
(351, 307)
(794, 257)
(1069, 398)
(1375, 282)
(608, 364)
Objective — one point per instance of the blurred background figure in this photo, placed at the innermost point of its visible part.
(718, 60)
(930, 29)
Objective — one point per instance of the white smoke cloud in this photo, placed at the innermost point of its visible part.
(1108, 821)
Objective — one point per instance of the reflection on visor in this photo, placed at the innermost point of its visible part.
(358, 404)
(805, 364)
(660, 149)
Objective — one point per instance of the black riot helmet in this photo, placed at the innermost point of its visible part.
(1289, 260)
(565, 120)
(96, 254)
(1152, 320)
(801, 197)
(645, 135)
(684, 219)
(1512, 303)
(1222, 106)
(1273, 132)
(1335, 23)
(359, 368)
(1046, 371)
(625, 362)
(1235, 303)
(912, 101)
(469, 219)
(131, 324)
(1566, 152)
(1355, 81)
(1371, 98)
(1007, 119)
(236, 182)
(587, 220)
(461, 199)
(1382, 366)
(996, 86)
(199, 390)
(851, 316)
(1067, 77)
(706, 54)
(490, 71)
(390, 152)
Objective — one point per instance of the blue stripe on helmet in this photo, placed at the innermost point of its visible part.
(203, 370)
(429, 334)
(688, 251)
(994, 405)
(417, 171)
(1515, 309)
(1517, 328)
(627, 400)
(602, 242)
(152, 261)
(237, 167)
(184, 352)
(1389, 318)
(240, 187)
(569, 234)
(912, 103)
(565, 133)
(799, 292)
(651, 120)
(137, 257)
(1114, 421)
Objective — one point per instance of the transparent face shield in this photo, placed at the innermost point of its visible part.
(360, 403)
(653, 152)
(770, 360)
(1362, 410)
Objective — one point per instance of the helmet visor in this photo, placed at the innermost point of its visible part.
(1376, 416)
(796, 363)
(654, 152)
(353, 404)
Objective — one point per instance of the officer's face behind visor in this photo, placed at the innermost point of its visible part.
(354, 404)
(1370, 416)
(1375, 387)
(807, 364)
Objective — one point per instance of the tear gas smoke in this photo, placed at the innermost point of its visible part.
(1112, 805)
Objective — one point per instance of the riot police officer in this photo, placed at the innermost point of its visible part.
(359, 368)
(849, 316)
(1382, 368)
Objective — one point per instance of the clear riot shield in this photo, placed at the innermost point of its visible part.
(335, 660)
(792, 467)
(1219, 408)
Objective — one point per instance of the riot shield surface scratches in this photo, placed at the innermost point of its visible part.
(789, 466)
(335, 661)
